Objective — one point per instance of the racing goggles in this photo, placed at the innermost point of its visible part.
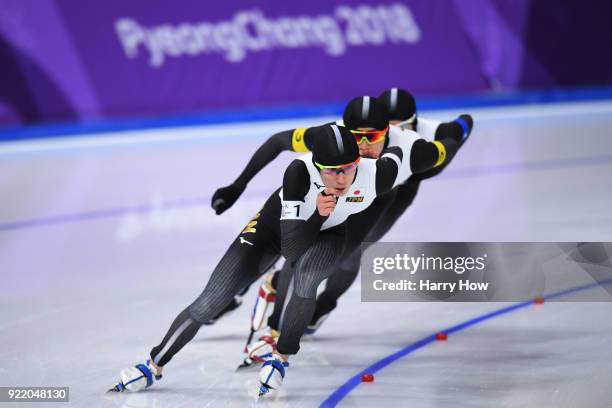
(370, 136)
(342, 168)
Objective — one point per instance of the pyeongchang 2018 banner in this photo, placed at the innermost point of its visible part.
(73, 60)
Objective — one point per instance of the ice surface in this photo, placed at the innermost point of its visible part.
(104, 240)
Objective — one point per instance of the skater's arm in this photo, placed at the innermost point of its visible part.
(458, 129)
(294, 139)
(387, 168)
(428, 155)
(451, 136)
(426, 128)
(420, 155)
(266, 153)
(297, 140)
(299, 227)
(464, 121)
(298, 236)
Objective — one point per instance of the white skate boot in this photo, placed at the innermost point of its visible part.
(266, 296)
(137, 378)
(260, 350)
(272, 374)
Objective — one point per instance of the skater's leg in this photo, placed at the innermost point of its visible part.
(275, 279)
(259, 350)
(337, 284)
(282, 288)
(181, 331)
(309, 271)
(404, 197)
(344, 276)
(240, 266)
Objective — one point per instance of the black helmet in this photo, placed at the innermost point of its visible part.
(366, 111)
(400, 104)
(333, 145)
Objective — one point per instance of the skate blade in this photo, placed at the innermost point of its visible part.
(117, 388)
(263, 390)
(246, 365)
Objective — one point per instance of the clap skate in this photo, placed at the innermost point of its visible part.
(259, 351)
(137, 378)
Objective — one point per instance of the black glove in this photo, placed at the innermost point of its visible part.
(467, 121)
(225, 197)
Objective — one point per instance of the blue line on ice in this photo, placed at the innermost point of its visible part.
(341, 392)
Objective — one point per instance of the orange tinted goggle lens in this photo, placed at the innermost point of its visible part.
(342, 168)
(370, 136)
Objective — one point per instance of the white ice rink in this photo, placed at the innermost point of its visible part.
(104, 239)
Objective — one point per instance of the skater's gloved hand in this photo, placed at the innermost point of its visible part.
(326, 201)
(467, 123)
(225, 197)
